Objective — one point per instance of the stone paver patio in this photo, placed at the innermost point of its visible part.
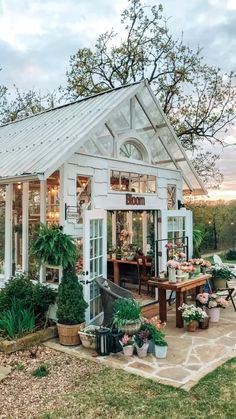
(190, 355)
(4, 372)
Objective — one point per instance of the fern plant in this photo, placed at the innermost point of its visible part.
(53, 247)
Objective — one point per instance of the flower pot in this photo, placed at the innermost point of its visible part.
(113, 256)
(204, 324)
(161, 351)
(128, 350)
(214, 314)
(172, 275)
(219, 283)
(131, 328)
(69, 334)
(151, 346)
(142, 352)
(192, 326)
(88, 340)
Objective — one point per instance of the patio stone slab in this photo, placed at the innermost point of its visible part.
(143, 367)
(4, 372)
(209, 353)
(178, 374)
(190, 356)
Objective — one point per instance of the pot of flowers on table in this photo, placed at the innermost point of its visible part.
(127, 315)
(205, 266)
(127, 343)
(196, 262)
(141, 343)
(212, 304)
(172, 265)
(192, 316)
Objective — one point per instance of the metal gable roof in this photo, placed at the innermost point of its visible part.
(33, 145)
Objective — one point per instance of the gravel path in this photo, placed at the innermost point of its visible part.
(23, 396)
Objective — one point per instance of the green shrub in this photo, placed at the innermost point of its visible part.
(53, 247)
(126, 310)
(41, 371)
(38, 297)
(230, 255)
(17, 321)
(71, 304)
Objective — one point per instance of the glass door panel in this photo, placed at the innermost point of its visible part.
(95, 258)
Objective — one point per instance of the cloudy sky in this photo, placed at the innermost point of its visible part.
(37, 38)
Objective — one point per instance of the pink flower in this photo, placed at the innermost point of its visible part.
(173, 264)
(169, 246)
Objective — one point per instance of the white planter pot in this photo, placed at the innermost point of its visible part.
(161, 351)
(142, 352)
(172, 275)
(214, 314)
(128, 350)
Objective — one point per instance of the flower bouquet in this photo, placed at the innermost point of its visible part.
(172, 266)
(213, 303)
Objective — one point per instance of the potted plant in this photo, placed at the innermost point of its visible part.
(127, 343)
(192, 316)
(161, 345)
(127, 315)
(154, 327)
(220, 275)
(213, 303)
(71, 308)
(88, 336)
(172, 266)
(141, 343)
(52, 247)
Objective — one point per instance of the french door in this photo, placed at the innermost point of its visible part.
(95, 260)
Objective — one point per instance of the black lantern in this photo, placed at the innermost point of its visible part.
(115, 341)
(103, 337)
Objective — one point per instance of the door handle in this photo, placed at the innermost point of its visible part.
(88, 282)
(85, 273)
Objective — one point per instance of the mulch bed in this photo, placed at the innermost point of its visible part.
(24, 396)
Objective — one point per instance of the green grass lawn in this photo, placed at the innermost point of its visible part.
(116, 394)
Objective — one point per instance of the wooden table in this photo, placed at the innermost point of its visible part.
(181, 289)
(116, 267)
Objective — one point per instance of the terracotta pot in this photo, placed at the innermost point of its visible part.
(69, 334)
(128, 350)
(192, 326)
(205, 323)
(142, 352)
(214, 314)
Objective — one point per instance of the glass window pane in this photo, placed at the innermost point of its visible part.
(115, 180)
(143, 183)
(151, 184)
(134, 182)
(124, 181)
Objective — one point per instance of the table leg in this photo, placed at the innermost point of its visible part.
(179, 301)
(162, 305)
(116, 272)
(198, 290)
(185, 297)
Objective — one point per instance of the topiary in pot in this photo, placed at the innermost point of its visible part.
(71, 308)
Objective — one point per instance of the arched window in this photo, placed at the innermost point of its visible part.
(130, 150)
